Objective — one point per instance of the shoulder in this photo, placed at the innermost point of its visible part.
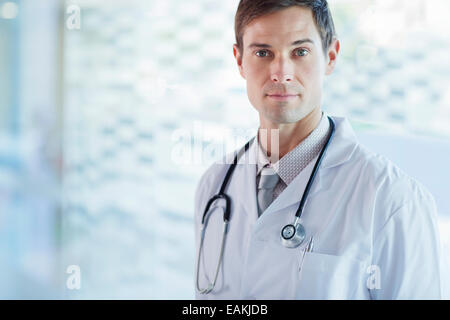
(211, 177)
(372, 172)
(391, 181)
(210, 182)
(393, 189)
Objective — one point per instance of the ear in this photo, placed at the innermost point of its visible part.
(238, 57)
(331, 58)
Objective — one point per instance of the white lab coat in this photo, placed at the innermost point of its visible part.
(374, 228)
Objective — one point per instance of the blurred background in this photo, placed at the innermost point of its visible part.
(98, 100)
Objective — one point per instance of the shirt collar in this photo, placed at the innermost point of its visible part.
(292, 163)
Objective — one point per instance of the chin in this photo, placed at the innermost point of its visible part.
(283, 116)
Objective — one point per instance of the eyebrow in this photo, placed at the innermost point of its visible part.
(295, 43)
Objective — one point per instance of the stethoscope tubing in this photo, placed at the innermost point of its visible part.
(222, 246)
(226, 216)
(299, 211)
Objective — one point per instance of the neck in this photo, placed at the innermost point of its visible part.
(278, 139)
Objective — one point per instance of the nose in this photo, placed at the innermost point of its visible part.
(282, 78)
(282, 70)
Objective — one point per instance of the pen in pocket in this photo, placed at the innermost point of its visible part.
(308, 248)
(310, 245)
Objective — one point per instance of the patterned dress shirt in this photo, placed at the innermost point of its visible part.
(292, 163)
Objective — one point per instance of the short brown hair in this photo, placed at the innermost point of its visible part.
(249, 10)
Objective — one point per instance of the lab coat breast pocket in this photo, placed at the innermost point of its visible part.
(271, 271)
(275, 272)
(324, 276)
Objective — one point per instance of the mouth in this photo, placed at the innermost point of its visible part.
(282, 97)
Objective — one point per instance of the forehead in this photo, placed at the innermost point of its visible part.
(286, 24)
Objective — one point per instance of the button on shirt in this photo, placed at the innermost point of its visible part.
(292, 163)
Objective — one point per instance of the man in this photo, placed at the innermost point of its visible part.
(370, 231)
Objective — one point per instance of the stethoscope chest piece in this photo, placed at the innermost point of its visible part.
(293, 235)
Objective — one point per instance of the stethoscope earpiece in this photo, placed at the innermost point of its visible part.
(292, 235)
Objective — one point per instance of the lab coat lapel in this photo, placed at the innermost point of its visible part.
(339, 151)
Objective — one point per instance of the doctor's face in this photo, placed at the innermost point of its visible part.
(284, 65)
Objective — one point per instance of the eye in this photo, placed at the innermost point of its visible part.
(262, 53)
(301, 52)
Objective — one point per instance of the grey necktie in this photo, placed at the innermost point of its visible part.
(267, 182)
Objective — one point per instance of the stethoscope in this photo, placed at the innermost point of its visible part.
(292, 235)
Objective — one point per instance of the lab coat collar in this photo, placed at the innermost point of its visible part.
(339, 151)
(342, 146)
